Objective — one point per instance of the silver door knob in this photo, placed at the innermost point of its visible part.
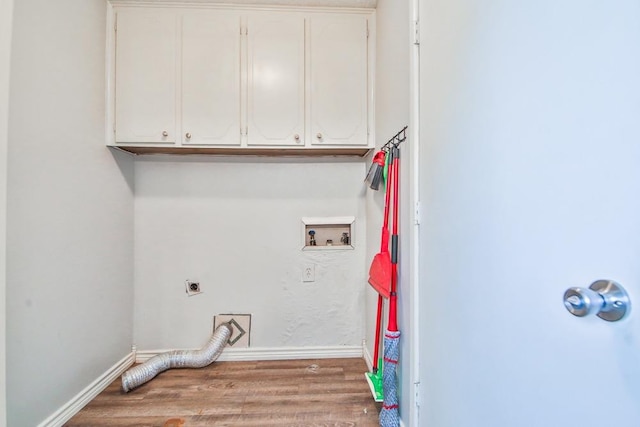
(604, 298)
(188, 135)
(296, 137)
(319, 136)
(165, 133)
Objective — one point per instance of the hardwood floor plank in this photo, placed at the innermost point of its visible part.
(300, 393)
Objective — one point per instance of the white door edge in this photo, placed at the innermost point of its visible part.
(414, 178)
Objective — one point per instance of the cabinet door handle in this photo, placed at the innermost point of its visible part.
(165, 133)
(319, 136)
(188, 135)
(296, 137)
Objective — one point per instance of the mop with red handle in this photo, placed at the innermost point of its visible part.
(389, 415)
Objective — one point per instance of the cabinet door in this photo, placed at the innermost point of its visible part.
(339, 80)
(210, 78)
(145, 76)
(275, 107)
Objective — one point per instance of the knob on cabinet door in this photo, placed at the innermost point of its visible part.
(604, 298)
(296, 137)
(165, 133)
(188, 135)
(319, 136)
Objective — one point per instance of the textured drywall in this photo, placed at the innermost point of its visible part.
(70, 212)
(235, 225)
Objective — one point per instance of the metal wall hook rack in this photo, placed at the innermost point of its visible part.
(386, 154)
(395, 140)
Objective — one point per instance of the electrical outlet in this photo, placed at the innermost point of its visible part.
(309, 273)
(192, 287)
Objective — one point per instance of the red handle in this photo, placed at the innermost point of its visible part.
(393, 298)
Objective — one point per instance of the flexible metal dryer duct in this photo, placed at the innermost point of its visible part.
(144, 372)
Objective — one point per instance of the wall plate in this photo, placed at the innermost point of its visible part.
(192, 287)
(241, 324)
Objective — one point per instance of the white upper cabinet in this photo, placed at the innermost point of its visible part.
(276, 79)
(229, 80)
(339, 79)
(145, 93)
(210, 83)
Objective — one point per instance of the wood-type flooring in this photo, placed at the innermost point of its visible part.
(300, 393)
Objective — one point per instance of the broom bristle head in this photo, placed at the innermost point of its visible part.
(370, 173)
(376, 179)
(374, 175)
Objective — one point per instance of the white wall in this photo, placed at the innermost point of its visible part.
(235, 225)
(529, 181)
(392, 114)
(70, 212)
(6, 17)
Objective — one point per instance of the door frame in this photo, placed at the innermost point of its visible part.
(6, 20)
(416, 209)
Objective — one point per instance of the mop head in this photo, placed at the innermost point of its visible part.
(389, 416)
(375, 384)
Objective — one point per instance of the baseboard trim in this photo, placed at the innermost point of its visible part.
(366, 355)
(265, 353)
(73, 406)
